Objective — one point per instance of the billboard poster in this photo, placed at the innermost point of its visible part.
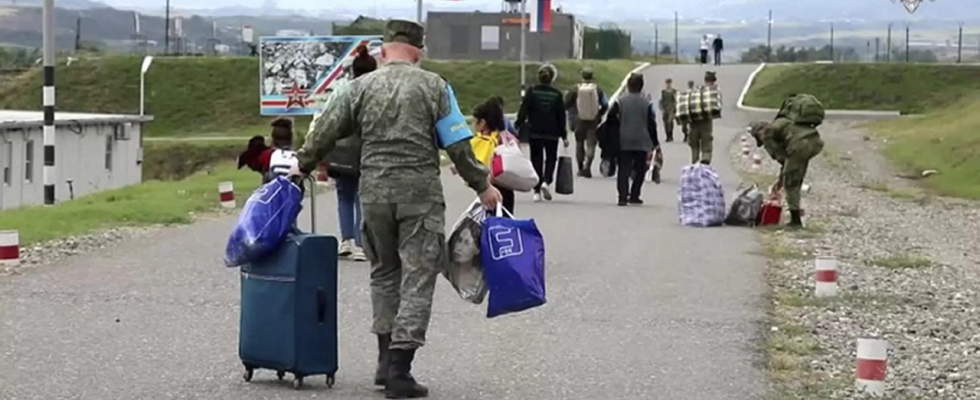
(297, 72)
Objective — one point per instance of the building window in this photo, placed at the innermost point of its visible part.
(29, 161)
(459, 39)
(8, 162)
(108, 153)
(490, 38)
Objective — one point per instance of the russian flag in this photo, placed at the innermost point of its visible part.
(540, 15)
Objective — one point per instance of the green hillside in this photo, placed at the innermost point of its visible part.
(909, 88)
(219, 96)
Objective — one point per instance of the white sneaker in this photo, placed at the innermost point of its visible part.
(346, 248)
(546, 192)
(358, 255)
(537, 197)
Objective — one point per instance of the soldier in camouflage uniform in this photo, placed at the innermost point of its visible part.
(792, 145)
(701, 137)
(395, 110)
(668, 107)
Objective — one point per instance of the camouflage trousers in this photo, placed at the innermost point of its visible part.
(585, 141)
(406, 246)
(700, 139)
(797, 161)
(668, 119)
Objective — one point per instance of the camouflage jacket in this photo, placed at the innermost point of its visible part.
(783, 138)
(394, 110)
(668, 100)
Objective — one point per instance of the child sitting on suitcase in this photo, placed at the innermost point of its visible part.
(271, 161)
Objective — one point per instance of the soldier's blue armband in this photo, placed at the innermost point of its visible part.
(453, 127)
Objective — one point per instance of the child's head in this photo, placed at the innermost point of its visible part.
(363, 62)
(488, 117)
(282, 133)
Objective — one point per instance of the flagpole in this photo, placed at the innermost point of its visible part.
(524, 24)
(418, 12)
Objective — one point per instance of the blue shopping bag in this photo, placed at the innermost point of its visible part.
(512, 255)
(268, 216)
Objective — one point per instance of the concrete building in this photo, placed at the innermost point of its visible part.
(93, 152)
(497, 36)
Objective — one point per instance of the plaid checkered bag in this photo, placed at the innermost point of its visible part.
(701, 201)
(698, 105)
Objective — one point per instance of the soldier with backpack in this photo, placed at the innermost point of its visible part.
(792, 139)
(590, 104)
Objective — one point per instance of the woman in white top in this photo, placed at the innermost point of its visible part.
(705, 45)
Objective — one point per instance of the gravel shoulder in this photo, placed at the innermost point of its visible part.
(909, 272)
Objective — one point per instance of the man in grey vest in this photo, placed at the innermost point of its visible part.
(637, 139)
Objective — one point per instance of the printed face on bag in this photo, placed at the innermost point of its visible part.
(505, 242)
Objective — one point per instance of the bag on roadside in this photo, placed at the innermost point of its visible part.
(701, 202)
(268, 216)
(587, 102)
(803, 109)
(746, 206)
(512, 255)
(464, 270)
(511, 170)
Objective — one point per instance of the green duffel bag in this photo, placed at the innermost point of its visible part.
(803, 109)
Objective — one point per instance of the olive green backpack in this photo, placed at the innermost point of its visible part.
(803, 109)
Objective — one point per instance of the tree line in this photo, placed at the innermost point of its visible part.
(826, 53)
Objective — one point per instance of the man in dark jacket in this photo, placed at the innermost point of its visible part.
(542, 114)
(718, 45)
(637, 139)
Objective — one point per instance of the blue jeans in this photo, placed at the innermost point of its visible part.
(349, 209)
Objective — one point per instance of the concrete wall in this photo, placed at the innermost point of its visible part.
(457, 36)
(80, 156)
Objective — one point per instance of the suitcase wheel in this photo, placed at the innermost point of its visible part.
(298, 382)
(248, 374)
(280, 374)
(330, 381)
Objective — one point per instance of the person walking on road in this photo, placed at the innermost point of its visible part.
(508, 124)
(668, 107)
(637, 139)
(543, 113)
(590, 104)
(403, 115)
(700, 139)
(705, 45)
(718, 46)
(343, 167)
(488, 124)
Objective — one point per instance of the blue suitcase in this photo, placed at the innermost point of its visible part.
(289, 310)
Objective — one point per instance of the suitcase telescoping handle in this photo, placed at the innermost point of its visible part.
(302, 183)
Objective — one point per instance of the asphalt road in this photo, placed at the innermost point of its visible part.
(639, 308)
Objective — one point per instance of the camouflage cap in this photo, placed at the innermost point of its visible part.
(756, 129)
(587, 72)
(402, 31)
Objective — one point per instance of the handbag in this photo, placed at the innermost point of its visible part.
(565, 179)
(344, 161)
(464, 270)
(511, 170)
(512, 255)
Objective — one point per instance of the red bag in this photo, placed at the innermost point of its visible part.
(772, 210)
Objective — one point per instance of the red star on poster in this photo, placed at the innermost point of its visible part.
(295, 95)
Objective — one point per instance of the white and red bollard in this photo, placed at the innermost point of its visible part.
(9, 248)
(226, 194)
(745, 150)
(826, 276)
(872, 366)
(756, 161)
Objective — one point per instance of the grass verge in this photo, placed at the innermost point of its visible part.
(210, 96)
(151, 203)
(909, 88)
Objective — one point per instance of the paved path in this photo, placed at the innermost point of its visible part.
(639, 308)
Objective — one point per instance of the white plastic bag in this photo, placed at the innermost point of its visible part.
(511, 170)
(702, 199)
(463, 270)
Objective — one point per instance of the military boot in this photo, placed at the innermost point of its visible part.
(400, 383)
(381, 375)
(796, 219)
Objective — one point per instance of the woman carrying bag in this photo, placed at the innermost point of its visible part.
(343, 165)
(542, 113)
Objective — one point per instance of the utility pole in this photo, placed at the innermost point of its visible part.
(418, 12)
(78, 33)
(959, 47)
(832, 59)
(166, 30)
(677, 47)
(906, 44)
(877, 43)
(769, 37)
(524, 22)
(48, 101)
(656, 42)
(888, 53)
